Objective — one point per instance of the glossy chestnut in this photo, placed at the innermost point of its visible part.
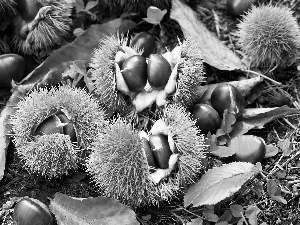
(206, 117)
(249, 148)
(50, 125)
(238, 7)
(134, 71)
(144, 41)
(68, 128)
(150, 157)
(30, 211)
(12, 67)
(158, 71)
(226, 96)
(161, 149)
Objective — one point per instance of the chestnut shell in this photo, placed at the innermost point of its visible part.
(150, 157)
(30, 211)
(207, 118)
(250, 149)
(145, 41)
(238, 7)
(161, 149)
(134, 71)
(12, 67)
(226, 96)
(69, 128)
(158, 71)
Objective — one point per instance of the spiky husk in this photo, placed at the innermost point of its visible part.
(135, 5)
(49, 32)
(4, 47)
(50, 155)
(103, 73)
(188, 140)
(269, 36)
(190, 73)
(7, 5)
(84, 112)
(118, 165)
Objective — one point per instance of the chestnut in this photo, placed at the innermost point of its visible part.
(238, 7)
(134, 71)
(207, 118)
(144, 41)
(12, 67)
(50, 125)
(69, 128)
(158, 71)
(150, 157)
(161, 149)
(226, 96)
(30, 211)
(249, 148)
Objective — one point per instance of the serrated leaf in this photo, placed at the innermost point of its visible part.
(236, 210)
(89, 211)
(219, 183)
(155, 15)
(214, 52)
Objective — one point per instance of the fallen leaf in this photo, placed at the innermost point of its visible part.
(256, 118)
(219, 183)
(271, 150)
(226, 216)
(214, 52)
(90, 211)
(236, 210)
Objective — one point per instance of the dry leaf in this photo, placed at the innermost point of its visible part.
(214, 52)
(90, 211)
(219, 183)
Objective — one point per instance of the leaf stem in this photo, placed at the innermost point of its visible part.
(264, 76)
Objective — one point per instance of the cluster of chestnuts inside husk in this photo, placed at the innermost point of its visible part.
(165, 156)
(59, 128)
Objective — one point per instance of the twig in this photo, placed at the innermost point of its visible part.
(289, 123)
(264, 76)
